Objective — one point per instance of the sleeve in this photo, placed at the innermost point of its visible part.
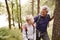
(35, 19)
(24, 34)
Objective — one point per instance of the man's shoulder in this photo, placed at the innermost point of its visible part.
(48, 15)
(37, 16)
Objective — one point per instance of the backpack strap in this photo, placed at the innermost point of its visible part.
(38, 19)
(26, 30)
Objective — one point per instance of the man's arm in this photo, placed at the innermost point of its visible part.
(35, 18)
(52, 18)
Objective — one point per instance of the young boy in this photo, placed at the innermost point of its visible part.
(29, 31)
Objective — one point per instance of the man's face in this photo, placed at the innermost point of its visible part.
(44, 12)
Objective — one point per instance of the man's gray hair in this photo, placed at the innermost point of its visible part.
(45, 7)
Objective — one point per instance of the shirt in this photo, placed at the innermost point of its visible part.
(43, 22)
(30, 34)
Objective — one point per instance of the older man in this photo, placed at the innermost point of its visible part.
(29, 32)
(42, 21)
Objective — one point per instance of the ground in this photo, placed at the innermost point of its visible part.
(15, 34)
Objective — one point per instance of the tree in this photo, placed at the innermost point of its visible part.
(20, 14)
(9, 16)
(12, 13)
(38, 9)
(33, 7)
(56, 25)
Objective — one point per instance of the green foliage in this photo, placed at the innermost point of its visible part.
(2, 8)
(27, 8)
(7, 34)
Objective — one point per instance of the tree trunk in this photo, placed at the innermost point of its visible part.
(38, 9)
(33, 7)
(12, 14)
(56, 25)
(9, 16)
(18, 14)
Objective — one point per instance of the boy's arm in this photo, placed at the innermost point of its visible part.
(24, 33)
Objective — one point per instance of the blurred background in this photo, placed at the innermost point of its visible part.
(13, 13)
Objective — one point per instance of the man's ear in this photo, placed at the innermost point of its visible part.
(46, 11)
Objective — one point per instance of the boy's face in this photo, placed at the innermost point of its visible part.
(30, 21)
